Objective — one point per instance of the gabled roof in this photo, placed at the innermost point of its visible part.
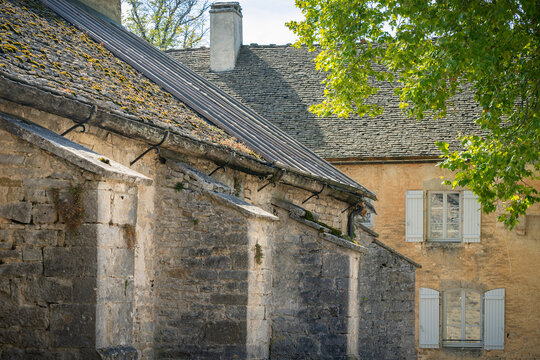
(281, 82)
(89, 70)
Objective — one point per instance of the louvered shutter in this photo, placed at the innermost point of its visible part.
(471, 217)
(494, 319)
(414, 216)
(428, 318)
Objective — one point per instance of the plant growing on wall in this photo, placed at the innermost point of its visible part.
(70, 206)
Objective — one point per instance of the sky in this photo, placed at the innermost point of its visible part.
(264, 21)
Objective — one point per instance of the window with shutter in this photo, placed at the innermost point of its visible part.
(468, 318)
(494, 319)
(414, 214)
(462, 318)
(428, 317)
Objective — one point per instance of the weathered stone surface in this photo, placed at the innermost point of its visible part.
(72, 324)
(19, 211)
(44, 214)
(225, 332)
(69, 261)
(118, 353)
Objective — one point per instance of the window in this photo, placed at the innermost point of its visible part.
(469, 318)
(444, 216)
(449, 216)
(462, 318)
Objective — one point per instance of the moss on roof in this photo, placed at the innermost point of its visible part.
(40, 48)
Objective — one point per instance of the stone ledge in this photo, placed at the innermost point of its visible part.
(241, 205)
(398, 254)
(324, 234)
(70, 151)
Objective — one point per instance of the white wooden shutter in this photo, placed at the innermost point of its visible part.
(471, 217)
(414, 215)
(494, 319)
(428, 318)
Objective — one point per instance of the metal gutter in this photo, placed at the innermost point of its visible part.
(15, 90)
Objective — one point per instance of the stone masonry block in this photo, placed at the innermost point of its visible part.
(72, 324)
(335, 265)
(19, 211)
(44, 214)
(32, 255)
(42, 290)
(20, 269)
(69, 262)
(225, 332)
(97, 206)
(122, 263)
(124, 209)
(45, 237)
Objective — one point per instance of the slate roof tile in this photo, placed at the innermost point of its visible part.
(281, 82)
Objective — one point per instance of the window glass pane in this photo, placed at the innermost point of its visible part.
(472, 333)
(472, 316)
(453, 299)
(472, 298)
(436, 216)
(436, 200)
(453, 332)
(435, 231)
(453, 316)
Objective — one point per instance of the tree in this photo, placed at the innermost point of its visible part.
(435, 49)
(167, 23)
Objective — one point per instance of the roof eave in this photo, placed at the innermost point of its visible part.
(21, 93)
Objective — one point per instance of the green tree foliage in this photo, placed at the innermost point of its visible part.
(167, 23)
(435, 49)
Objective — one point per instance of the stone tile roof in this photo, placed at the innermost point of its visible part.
(39, 48)
(280, 83)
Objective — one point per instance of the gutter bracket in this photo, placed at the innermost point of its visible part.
(153, 147)
(224, 166)
(274, 179)
(315, 194)
(81, 123)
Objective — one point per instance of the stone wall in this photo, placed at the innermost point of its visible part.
(310, 294)
(66, 269)
(386, 305)
(502, 258)
(203, 251)
(185, 268)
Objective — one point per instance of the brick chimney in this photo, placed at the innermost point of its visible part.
(109, 8)
(225, 35)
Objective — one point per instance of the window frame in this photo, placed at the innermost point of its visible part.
(445, 194)
(475, 344)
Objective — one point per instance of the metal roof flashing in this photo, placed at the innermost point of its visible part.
(209, 102)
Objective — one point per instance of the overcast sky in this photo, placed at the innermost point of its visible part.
(264, 21)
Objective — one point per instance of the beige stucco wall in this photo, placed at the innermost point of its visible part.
(503, 259)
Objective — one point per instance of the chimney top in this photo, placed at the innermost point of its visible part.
(226, 6)
(225, 35)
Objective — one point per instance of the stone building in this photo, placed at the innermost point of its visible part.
(146, 214)
(476, 291)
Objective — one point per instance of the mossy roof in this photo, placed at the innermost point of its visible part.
(41, 49)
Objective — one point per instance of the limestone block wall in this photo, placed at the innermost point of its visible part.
(310, 294)
(201, 284)
(66, 259)
(386, 294)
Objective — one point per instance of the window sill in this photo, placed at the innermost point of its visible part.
(462, 345)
